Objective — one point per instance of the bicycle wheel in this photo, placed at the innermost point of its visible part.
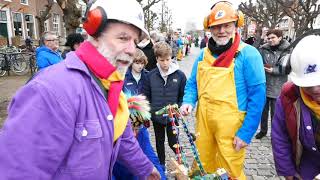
(2, 64)
(19, 64)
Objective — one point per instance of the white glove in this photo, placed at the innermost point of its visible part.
(186, 109)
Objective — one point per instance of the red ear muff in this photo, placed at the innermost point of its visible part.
(95, 22)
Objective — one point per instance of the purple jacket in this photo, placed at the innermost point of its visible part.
(282, 150)
(59, 127)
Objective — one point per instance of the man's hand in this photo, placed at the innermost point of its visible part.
(289, 177)
(186, 109)
(268, 70)
(297, 176)
(155, 175)
(238, 144)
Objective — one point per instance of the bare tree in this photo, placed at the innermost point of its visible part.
(149, 4)
(150, 20)
(150, 15)
(166, 17)
(71, 14)
(44, 15)
(268, 13)
(169, 20)
(163, 27)
(302, 12)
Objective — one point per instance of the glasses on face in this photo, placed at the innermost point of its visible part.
(52, 40)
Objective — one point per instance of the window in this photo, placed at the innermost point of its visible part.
(28, 18)
(3, 24)
(284, 23)
(3, 16)
(29, 22)
(55, 22)
(17, 24)
(46, 26)
(24, 1)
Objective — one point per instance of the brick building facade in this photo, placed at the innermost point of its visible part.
(18, 20)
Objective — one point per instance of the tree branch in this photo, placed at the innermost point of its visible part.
(149, 4)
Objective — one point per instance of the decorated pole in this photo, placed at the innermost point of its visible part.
(173, 112)
(190, 138)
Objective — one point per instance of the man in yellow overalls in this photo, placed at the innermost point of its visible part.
(228, 81)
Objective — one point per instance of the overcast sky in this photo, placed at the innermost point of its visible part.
(192, 10)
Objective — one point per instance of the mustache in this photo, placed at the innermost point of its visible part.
(124, 57)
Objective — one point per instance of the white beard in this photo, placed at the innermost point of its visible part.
(221, 42)
(105, 51)
(124, 57)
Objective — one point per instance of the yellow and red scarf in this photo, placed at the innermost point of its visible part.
(315, 108)
(225, 59)
(111, 80)
(310, 103)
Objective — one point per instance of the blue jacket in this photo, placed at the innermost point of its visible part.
(250, 84)
(121, 173)
(46, 57)
(161, 93)
(180, 43)
(131, 86)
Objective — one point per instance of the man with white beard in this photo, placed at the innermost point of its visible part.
(228, 82)
(71, 120)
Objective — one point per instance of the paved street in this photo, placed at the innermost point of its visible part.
(259, 162)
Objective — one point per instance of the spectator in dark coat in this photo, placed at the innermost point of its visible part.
(250, 40)
(172, 41)
(270, 53)
(73, 42)
(164, 85)
(147, 47)
(204, 42)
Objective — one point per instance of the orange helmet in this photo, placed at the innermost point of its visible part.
(223, 12)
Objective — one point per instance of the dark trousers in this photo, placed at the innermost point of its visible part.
(187, 49)
(270, 104)
(159, 131)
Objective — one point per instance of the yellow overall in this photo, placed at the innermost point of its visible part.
(218, 118)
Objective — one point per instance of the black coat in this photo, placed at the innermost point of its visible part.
(160, 94)
(149, 52)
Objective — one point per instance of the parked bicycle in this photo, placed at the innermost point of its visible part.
(13, 61)
(17, 60)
